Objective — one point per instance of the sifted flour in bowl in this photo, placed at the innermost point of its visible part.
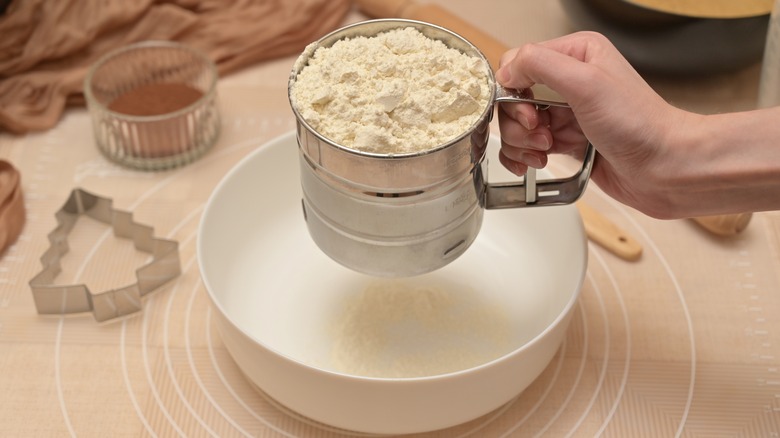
(397, 329)
(396, 92)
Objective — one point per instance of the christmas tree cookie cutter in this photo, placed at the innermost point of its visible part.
(53, 299)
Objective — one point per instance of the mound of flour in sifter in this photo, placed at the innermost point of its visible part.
(396, 92)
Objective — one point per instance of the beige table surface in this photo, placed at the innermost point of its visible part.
(684, 342)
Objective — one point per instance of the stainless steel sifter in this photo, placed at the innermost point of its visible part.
(408, 214)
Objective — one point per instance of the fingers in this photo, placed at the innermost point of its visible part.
(521, 130)
(576, 66)
(537, 64)
(561, 63)
(522, 147)
(511, 165)
(519, 166)
(524, 113)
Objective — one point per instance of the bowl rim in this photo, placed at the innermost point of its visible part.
(248, 160)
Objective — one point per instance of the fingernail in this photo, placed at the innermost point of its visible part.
(524, 121)
(536, 141)
(532, 160)
(502, 75)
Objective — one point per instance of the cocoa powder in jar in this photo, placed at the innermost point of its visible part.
(155, 99)
(163, 137)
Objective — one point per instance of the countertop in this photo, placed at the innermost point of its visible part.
(683, 342)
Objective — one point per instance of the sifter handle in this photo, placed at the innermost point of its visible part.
(531, 192)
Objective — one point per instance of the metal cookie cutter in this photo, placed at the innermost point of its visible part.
(64, 299)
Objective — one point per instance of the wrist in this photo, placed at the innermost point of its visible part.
(723, 163)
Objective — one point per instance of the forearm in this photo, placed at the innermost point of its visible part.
(725, 163)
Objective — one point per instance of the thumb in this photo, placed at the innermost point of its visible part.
(540, 64)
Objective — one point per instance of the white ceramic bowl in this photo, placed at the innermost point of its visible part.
(383, 356)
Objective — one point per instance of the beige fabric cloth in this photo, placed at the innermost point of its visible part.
(47, 46)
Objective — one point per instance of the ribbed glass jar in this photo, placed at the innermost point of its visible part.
(153, 104)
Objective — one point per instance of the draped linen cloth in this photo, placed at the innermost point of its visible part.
(47, 46)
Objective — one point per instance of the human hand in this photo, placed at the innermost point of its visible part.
(611, 106)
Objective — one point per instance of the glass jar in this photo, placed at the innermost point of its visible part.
(153, 104)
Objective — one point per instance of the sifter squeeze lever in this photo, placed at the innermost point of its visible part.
(549, 192)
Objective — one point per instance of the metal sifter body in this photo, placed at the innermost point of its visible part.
(396, 215)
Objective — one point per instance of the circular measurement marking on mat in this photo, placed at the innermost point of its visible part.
(180, 379)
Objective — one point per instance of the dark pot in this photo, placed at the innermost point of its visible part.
(663, 43)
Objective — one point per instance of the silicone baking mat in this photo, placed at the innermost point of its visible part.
(684, 342)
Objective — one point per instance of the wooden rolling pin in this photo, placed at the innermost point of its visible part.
(431, 13)
(599, 229)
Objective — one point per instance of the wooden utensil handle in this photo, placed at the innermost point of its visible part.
(726, 224)
(605, 233)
